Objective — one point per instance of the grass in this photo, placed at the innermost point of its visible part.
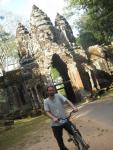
(20, 131)
(24, 128)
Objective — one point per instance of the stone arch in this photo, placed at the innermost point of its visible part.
(46, 50)
(63, 62)
(61, 66)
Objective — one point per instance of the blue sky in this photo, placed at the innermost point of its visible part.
(15, 6)
(24, 7)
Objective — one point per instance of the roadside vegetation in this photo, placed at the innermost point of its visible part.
(21, 131)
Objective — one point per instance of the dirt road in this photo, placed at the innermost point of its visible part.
(94, 120)
(98, 137)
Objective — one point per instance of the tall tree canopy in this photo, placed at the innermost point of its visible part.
(7, 43)
(97, 18)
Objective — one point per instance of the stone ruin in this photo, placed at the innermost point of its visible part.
(45, 45)
(55, 45)
(51, 45)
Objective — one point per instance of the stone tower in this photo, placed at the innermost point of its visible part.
(30, 71)
(64, 28)
(47, 51)
(22, 37)
(53, 46)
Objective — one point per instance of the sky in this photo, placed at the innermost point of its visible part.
(24, 7)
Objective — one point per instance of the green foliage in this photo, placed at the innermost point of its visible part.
(8, 43)
(87, 39)
(18, 135)
(97, 18)
(61, 89)
(54, 73)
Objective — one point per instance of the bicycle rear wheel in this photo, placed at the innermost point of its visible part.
(79, 142)
(75, 142)
(77, 139)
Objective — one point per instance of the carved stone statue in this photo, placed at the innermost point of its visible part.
(63, 26)
(22, 37)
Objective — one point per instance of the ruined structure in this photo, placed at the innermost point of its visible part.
(29, 67)
(55, 46)
(44, 46)
(101, 66)
(52, 48)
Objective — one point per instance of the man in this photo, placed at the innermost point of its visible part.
(54, 107)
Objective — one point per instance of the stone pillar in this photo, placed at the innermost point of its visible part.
(34, 103)
(98, 86)
(38, 95)
(88, 69)
(10, 94)
(91, 80)
(17, 96)
(75, 80)
(30, 97)
(75, 76)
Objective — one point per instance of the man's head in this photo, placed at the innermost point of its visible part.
(51, 90)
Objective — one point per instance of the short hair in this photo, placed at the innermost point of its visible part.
(50, 86)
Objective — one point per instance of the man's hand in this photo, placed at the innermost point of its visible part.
(55, 119)
(75, 109)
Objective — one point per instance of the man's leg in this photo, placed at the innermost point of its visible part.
(67, 127)
(58, 133)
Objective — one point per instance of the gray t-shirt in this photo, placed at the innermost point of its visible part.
(56, 107)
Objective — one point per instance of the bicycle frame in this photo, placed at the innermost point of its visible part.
(76, 137)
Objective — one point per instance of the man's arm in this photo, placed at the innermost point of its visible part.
(65, 100)
(48, 113)
(75, 109)
(55, 119)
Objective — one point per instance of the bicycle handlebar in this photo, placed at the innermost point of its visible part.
(67, 117)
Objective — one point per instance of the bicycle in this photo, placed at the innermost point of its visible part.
(76, 136)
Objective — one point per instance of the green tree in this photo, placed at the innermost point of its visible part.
(97, 17)
(87, 39)
(54, 73)
(7, 43)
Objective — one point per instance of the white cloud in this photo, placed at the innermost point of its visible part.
(24, 7)
(4, 2)
(51, 7)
